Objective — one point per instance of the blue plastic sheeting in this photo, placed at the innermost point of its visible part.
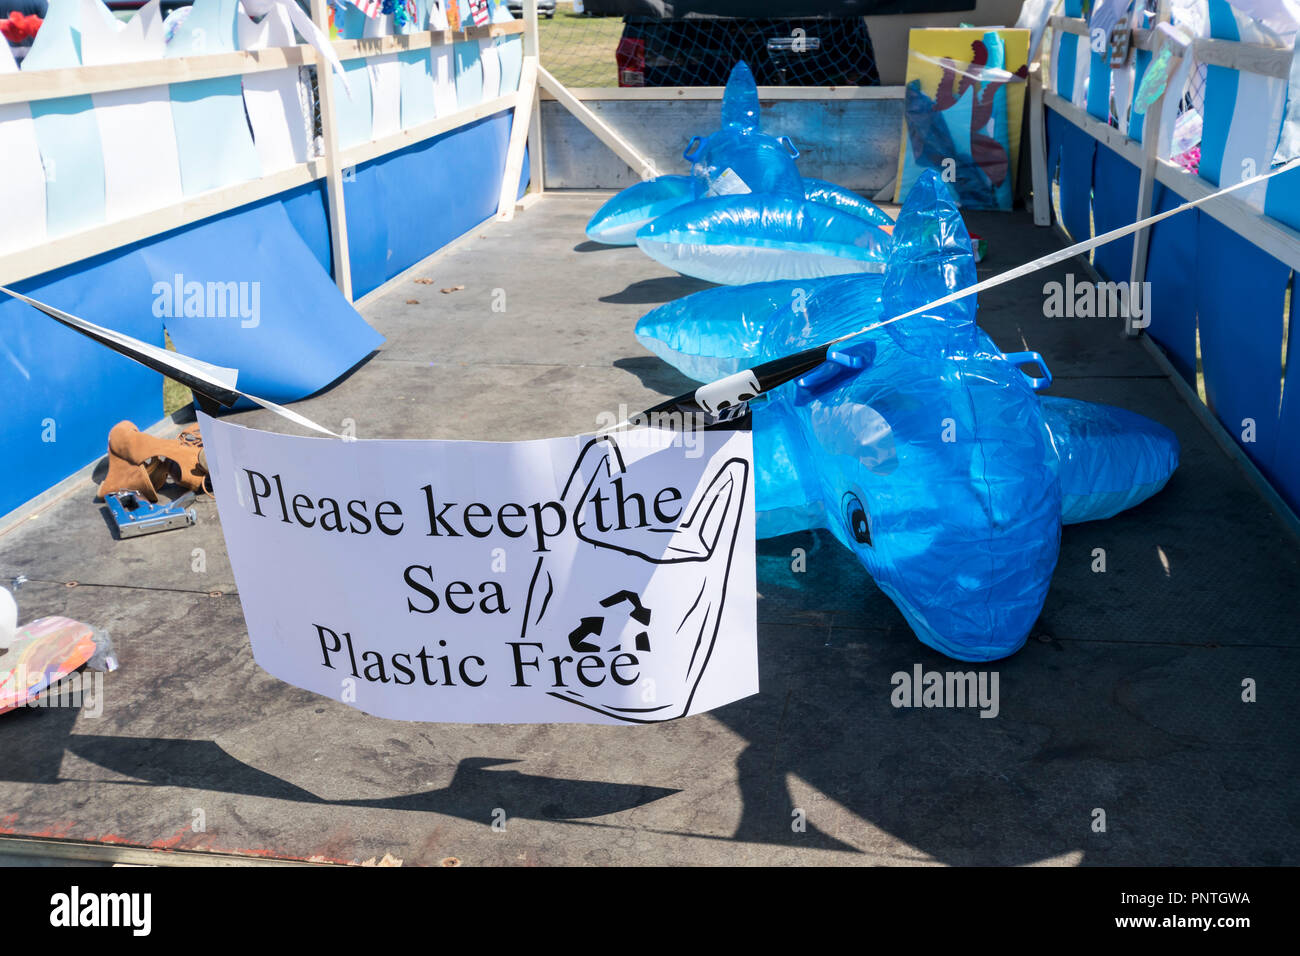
(267, 308)
(1240, 301)
(62, 391)
(405, 206)
(1171, 268)
(1077, 149)
(1114, 199)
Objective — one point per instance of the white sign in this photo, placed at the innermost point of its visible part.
(592, 579)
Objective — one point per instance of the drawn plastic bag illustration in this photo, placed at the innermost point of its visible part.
(641, 646)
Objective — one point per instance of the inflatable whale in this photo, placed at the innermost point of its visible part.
(920, 445)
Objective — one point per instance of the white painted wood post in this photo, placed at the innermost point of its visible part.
(1151, 134)
(536, 147)
(1038, 149)
(338, 218)
(518, 139)
(642, 165)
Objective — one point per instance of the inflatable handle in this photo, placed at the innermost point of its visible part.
(788, 143)
(692, 149)
(837, 367)
(1024, 358)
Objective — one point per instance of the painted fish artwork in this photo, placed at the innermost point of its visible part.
(920, 445)
(744, 213)
(963, 100)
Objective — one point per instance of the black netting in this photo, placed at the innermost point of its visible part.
(582, 50)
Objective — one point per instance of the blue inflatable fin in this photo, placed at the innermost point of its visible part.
(616, 222)
(931, 254)
(716, 332)
(740, 99)
(828, 194)
(787, 496)
(1110, 458)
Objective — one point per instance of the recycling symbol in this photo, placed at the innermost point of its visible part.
(593, 626)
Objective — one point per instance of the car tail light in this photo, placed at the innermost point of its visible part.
(630, 57)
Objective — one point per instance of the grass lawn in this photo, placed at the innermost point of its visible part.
(579, 50)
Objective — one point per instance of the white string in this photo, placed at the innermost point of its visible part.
(215, 375)
(1068, 253)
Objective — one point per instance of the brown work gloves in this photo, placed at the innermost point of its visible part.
(142, 463)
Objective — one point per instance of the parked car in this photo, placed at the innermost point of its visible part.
(130, 6)
(545, 8)
(700, 51)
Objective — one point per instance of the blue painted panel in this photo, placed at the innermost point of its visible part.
(1284, 471)
(1066, 63)
(243, 291)
(1282, 200)
(1099, 85)
(305, 207)
(1114, 202)
(1171, 267)
(1077, 149)
(399, 213)
(1241, 334)
(52, 377)
(1220, 102)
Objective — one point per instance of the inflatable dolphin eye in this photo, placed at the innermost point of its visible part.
(855, 518)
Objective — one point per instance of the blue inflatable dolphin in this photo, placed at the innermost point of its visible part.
(920, 445)
(745, 214)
